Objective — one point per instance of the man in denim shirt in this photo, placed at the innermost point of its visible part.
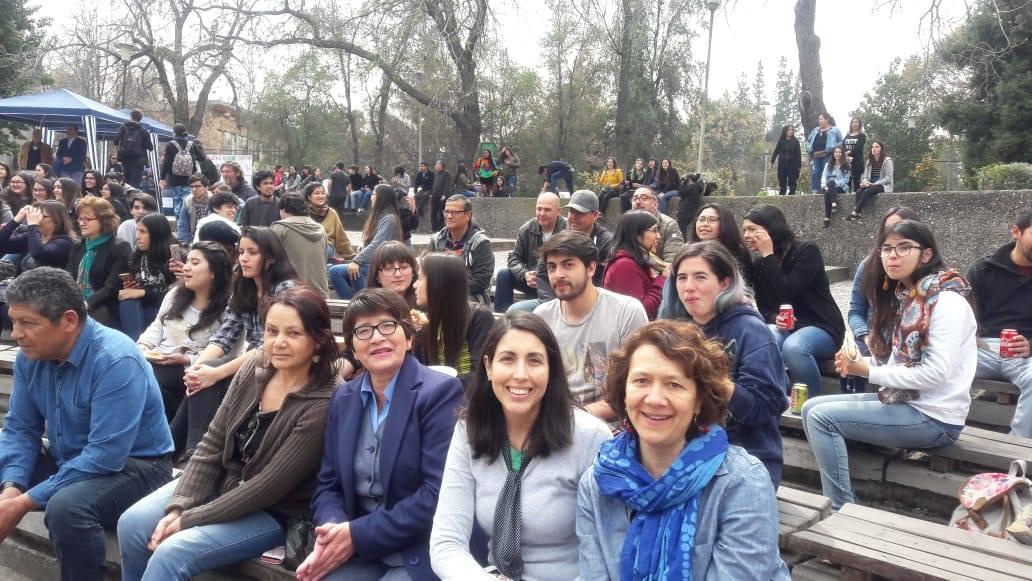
(90, 389)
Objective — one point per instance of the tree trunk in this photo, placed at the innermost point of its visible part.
(811, 101)
(623, 131)
(380, 119)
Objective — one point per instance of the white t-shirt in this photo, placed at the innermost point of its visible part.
(585, 346)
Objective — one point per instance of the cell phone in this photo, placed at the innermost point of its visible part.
(127, 279)
(274, 556)
(178, 253)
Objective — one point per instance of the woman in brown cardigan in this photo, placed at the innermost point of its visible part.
(255, 467)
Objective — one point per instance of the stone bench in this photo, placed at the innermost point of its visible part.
(866, 543)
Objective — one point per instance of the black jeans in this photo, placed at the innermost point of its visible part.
(436, 212)
(194, 416)
(857, 173)
(787, 177)
(173, 389)
(78, 514)
(866, 196)
(831, 193)
(605, 196)
(133, 172)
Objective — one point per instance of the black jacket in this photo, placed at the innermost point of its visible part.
(111, 259)
(139, 135)
(801, 281)
(529, 238)
(442, 184)
(788, 153)
(1002, 294)
(424, 181)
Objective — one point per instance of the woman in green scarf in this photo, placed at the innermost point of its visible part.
(98, 258)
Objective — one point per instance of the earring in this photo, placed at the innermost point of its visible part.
(885, 283)
(316, 359)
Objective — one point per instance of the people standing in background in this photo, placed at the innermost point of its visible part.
(510, 164)
(176, 184)
(854, 144)
(133, 143)
(338, 190)
(819, 144)
(485, 170)
(34, 152)
(691, 199)
(70, 158)
(423, 185)
(439, 192)
(789, 155)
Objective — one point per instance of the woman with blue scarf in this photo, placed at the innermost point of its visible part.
(669, 498)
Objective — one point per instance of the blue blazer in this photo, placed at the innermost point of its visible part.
(414, 447)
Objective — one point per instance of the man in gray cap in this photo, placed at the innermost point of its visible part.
(582, 215)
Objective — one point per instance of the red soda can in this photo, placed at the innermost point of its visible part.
(1006, 336)
(788, 315)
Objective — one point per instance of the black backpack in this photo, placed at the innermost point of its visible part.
(133, 143)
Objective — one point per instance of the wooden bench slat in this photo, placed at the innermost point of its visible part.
(818, 502)
(935, 547)
(862, 557)
(982, 543)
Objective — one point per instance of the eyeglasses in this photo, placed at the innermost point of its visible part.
(708, 219)
(643, 197)
(385, 328)
(85, 219)
(400, 269)
(653, 229)
(454, 212)
(901, 250)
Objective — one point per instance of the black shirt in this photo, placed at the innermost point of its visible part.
(33, 158)
(250, 435)
(820, 143)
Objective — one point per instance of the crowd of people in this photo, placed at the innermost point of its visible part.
(619, 422)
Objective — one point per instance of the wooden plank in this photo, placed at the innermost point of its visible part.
(984, 452)
(982, 543)
(818, 502)
(860, 556)
(815, 570)
(935, 547)
(971, 432)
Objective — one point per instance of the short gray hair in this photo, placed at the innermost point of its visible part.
(48, 291)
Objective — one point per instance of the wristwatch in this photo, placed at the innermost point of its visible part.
(11, 484)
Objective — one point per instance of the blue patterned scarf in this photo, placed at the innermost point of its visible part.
(661, 536)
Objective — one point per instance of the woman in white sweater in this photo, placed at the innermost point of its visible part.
(923, 329)
(514, 464)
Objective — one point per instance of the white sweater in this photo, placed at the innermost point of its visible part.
(470, 489)
(947, 364)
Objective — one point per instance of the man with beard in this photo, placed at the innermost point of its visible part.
(589, 322)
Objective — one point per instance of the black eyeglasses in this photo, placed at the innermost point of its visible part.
(385, 328)
(901, 250)
(396, 269)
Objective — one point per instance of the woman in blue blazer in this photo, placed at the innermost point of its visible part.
(387, 437)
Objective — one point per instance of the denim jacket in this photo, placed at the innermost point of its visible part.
(858, 304)
(736, 536)
(834, 139)
(841, 176)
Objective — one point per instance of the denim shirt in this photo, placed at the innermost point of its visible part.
(99, 407)
(834, 139)
(736, 537)
(858, 305)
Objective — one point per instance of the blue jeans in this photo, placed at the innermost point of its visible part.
(526, 306)
(136, 317)
(832, 419)
(561, 175)
(360, 199)
(510, 183)
(816, 170)
(345, 287)
(664, 199)
(78, 514)
(192, 551)
(1017, 370)
(801, 350)
(178, 194)
(505, 284)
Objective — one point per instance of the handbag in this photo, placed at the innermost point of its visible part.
(992, 503)
(300, 542)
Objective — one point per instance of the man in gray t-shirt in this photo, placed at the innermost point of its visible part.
(589, 322)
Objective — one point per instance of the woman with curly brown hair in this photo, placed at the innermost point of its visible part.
(665, 494)
(98, 258)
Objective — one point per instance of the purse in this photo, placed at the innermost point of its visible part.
(300, 542)
(993, 503)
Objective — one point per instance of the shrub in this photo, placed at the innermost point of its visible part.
(1004, 176)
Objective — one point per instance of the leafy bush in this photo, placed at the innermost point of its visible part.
(1004, 176)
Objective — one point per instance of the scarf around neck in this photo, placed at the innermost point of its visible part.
(661, 536)
(318, 213)
(507, 533)
(86, 263)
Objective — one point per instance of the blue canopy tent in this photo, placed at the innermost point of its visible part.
(56, 110)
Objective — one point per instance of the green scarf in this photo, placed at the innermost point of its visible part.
(87, 263)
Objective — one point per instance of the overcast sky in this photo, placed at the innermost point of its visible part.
(859, 38)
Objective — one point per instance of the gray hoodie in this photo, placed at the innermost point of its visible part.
(305, 242)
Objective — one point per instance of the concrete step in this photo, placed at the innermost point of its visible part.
(838, 273)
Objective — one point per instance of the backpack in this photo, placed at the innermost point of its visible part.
(996, 504)
(183, 162)
(133, 143)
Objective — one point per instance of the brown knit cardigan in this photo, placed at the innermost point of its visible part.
(282, 473)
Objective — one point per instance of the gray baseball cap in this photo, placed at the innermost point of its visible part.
(583, 201)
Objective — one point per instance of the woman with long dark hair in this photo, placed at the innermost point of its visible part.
(668, 183)
(46, 239)
(401, 180)
(635, 270)
(148, 278)
(263, 270)
(877, 179)
(320, 211)
(114, 192)
(485, 169)
(854, 143)
(44, 171)
(66, 191)
(256, 468)
(383, 224)
(190, 312)
(788, 155)
(455, 331)
(42, 190)
(834, 181)
(671, 497)
(922, 341)
(5, 175)
(636, 177)
(516, 457)
(717, 222)
(92, 181)
(18, 193)
(791, 272)
(709, 289)
(395, 267)
(610, 183)
(819, 143)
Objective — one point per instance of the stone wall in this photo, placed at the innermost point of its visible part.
(967, 225)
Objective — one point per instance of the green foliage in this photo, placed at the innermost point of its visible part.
(1004, 176)
(993, 107)
(786, 108)
(21, 38)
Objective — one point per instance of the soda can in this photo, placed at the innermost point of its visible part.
(788, 314)
(798, 397)
(1006, 336)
